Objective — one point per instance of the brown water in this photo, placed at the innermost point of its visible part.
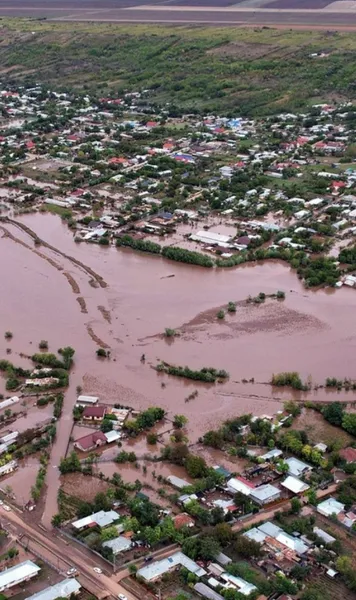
(310, 332)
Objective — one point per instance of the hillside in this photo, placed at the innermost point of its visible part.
(248, 71)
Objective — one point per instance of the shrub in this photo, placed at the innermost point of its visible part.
(221, 314)
(43, 345)
(231, 307)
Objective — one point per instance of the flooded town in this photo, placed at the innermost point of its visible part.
(177, 410)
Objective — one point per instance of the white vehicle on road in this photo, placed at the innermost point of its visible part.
(97, 570)
(71, 571)
(6, 507)
(122, 597)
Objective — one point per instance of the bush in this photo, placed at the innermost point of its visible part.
(168, 332)
(187, 256)
(152, 438)
(281, 295)
(231, 307)
(8, 335)
(43, 345)
(42, 401)
(291, 379)
(142, 245)
(220, 315)
(101, 353)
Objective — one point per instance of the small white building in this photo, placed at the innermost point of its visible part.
(330, 507)
(295, 485)
(18, 574)
(63, 589)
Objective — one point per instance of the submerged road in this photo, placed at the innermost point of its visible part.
(134, 11)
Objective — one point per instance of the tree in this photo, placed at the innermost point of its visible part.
(295, 506)
(312, 497)
(109, 533)
(179, 421)
(247, 548)
(334, 413)
(195, 466)
(349, 423)
(101, 502)
(70, 464)
(209, 548)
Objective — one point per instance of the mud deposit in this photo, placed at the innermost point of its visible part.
(134, 301)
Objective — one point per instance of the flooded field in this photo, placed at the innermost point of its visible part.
(19, 482)
(309, 332)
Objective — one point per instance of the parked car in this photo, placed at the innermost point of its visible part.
(7, 508)
(122, 597)
(97, 570)
(71, 572)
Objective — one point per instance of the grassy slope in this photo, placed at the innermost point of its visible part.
(219, 69)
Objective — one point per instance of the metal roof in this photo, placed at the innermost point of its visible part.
(63, 589)
(178, 482)
(207, 592)
(323, 535)
(330, 507)
(295, 485)
(256, 535)
(101, 518)
(117, 545)
(158, 568)
(296, 466)
(265, 493)
(15, 575)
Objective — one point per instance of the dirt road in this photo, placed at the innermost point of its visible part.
(63, 555)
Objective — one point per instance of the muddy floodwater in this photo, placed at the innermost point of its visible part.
(88, 296)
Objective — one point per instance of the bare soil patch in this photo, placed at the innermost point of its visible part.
(84, 487)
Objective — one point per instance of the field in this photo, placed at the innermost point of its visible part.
(221, 70)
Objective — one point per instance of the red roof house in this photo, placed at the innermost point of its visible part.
(90, 441)
(348, 454)
(94, 413)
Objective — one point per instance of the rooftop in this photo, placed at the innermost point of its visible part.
(158, 568)
(63, 589)
(295, 485)
(18, 573)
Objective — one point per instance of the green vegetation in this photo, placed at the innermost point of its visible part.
(231, 307)
(40, 479)
(169, 333)
(220, 315)
(43, 345)
(70, 464)
(291, 379)
(195, 68)
(187, 256)
(207, 374)
(123, 457)
(142, 245)
(8, 335)
(145, 420)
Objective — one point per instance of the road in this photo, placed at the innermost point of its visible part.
(63, 555)
(136, 11)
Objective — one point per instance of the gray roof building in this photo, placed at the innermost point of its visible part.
(63, 589)
(16, 575)
(206, 592)
(117, 545)
(265, 494)
(158, 568)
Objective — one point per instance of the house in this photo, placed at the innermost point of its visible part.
(63, 589)
(330, 507)
(323, 535)
(8, 468)
(297, 467)
(102, 519)
(239, 484)
(156, 569)
(177, 482)
(112, 436)
(18, 574)
(348, 454)
(242, 586)
(183, 520)
(206, 592)
(88, 400)
(295, 485)
(272, 454)
(94, 413)
(91, 441)
(118, 545)
(265, 494)
(274, 536)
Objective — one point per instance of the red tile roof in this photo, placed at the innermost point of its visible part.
(348, 454)
(90, 441)
(91, 412)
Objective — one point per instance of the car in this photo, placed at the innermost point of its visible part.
(71, 571)
(122, 597)
(97, 570)
(6, 507)
(1, 503)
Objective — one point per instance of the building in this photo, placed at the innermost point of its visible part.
(268, 533)
(183, 520)
(155, 570)
(297, 467)
(118, 545)
(323, 535)
(239, 484)
(330, 507)
(265, 494)
(9, 402)
(85, 400)
(8, 468)
(94, 413)
(242, 586)
(206, 592)
(208, 237)
(112, 436)
(102, 519)
(177, 482)
(295, 485)
(348, 454)
(18, 574)
(272, 454)
(63, 589)
(91, 441)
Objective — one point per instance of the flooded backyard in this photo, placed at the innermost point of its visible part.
(128, 308)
